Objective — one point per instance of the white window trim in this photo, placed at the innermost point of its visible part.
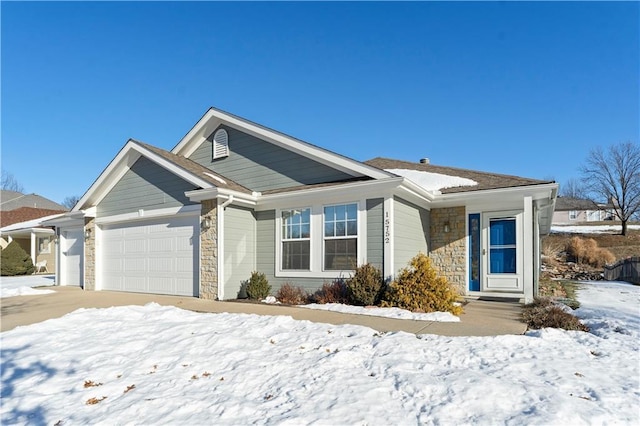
(283, 240)
(316, 248)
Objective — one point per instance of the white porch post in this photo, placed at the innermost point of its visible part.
(528, 249)
(33, 247)
(387, 235)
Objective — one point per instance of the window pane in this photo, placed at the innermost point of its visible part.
(503, 261)
(295, 255)
(352, 211)
(296, 224)
(352, 227)
(340, 212)
(503, 232)
(340, 229)
(340, 254)
(305, 231)
(329, 213)
(328, 229)
(306, 216)
(295, 232)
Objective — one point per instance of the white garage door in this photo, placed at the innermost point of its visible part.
(157, 256)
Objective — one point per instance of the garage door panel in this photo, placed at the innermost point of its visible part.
(157, 256)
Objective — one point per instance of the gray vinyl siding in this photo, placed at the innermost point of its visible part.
(411, 232)
(375, 232)
(266, 256)
(261, 166)
(239, 248)
(145, 186)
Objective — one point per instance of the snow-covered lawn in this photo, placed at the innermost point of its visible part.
(590, 229)
(162, 365)
(384, 312)
(23, 285)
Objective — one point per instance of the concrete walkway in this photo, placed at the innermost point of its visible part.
(480, 318)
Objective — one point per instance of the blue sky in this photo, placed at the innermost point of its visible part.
(508, 87)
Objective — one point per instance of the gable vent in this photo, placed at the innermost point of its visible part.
(220, 144)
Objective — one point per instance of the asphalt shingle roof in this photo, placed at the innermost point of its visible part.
(485, 180)
(196, 169)
(11, 200)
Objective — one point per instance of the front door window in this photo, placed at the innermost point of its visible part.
(502, 246)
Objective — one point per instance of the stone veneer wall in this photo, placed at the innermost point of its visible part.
(209, 251)
(90, 254)
(448, 250)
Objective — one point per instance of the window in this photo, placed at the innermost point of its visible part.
(340, 237)
(44, 245)
(573, 214)
(296, 239)
(220, 144)
(502, 246)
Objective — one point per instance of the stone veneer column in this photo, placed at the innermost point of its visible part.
(448, 249)
(90, 254)
(209, 251)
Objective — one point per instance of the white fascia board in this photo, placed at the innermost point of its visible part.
(354, 190)
(495, 196)
(127, 156)
(150, 214)
(66, 220)
(213, 118)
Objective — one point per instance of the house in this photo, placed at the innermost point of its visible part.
(234, 197)
(20, 217)
(571, 210)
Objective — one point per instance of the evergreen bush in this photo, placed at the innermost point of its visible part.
(418, 288)
(365, 286)
(258, 287)
(15, 261)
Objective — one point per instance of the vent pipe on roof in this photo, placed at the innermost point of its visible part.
(424, 160)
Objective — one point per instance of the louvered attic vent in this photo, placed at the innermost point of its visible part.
(220, 144)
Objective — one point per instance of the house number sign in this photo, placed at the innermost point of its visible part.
(387, 228)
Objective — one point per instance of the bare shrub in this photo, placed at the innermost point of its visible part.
(586, 251)
(544, 313)
(291, 295)
(334, 292)
(552, 249)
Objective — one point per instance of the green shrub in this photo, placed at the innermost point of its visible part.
(15, 261)
(335, 292)
(365, 286)
(418, 288)
(258, 286)
(290, 295)
(543, 313)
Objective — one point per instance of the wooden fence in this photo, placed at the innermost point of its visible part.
(624, 270)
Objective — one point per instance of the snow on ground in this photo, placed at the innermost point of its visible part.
(162, 365)
(23, 285)
(433, 181)
(590, 229)
(384, 312)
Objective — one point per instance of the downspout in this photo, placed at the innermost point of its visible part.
(226, 203)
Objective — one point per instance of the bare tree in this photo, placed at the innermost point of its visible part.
(70, 201)
(573, 188)
(614, 175)
(10, 183)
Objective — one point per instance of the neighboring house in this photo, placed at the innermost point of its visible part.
(234, 197)
(11, 200)
(20, 217)
(570, 210)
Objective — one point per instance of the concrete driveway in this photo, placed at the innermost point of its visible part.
(480, 318)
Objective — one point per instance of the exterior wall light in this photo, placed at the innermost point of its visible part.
(206, 223)
(87, 233)
(447, 227)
